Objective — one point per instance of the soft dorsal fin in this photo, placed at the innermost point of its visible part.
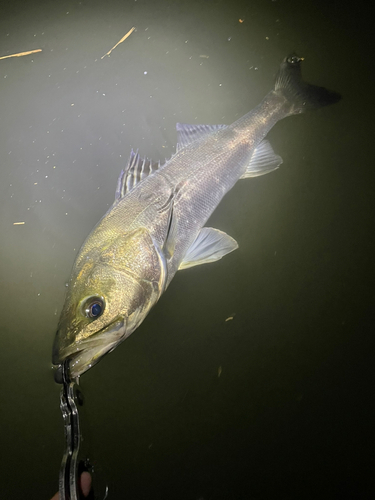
(186, 133)
(136, 170)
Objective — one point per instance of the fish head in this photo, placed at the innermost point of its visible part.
(112, 288)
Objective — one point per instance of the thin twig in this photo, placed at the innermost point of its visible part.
(118, 43)
(20, 54)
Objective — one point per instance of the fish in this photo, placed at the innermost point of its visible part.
(156, 225)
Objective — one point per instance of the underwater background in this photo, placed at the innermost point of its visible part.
(253, 377)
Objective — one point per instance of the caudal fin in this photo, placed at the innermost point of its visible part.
(302, 96)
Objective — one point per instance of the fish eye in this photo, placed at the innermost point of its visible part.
(294, 59)
(93, 307)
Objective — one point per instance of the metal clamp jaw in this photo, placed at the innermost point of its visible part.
(71, 398)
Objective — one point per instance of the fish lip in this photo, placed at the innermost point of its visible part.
(83, 354)
(75, 349)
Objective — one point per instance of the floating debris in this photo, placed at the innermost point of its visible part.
(204, 56)
(118, 43)
(20, 54)
(18, 223)
(230, 318)
(219, 370)
(241, 20)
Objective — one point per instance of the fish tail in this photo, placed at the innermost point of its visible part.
(301, 95)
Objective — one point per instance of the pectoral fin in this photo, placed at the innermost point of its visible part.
(172, 226)
(210, 245)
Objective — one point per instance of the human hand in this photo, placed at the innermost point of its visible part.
(85, 485)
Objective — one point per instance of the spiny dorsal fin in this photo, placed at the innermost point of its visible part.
(186, 134)
(136, 170)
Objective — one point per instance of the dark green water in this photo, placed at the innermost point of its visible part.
(291, 415)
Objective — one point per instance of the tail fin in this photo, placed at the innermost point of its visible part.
(301, 95)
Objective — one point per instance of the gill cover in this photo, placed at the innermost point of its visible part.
(122, 279)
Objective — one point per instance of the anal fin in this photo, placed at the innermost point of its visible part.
(263, 161)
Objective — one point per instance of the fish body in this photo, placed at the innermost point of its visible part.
(156, 225)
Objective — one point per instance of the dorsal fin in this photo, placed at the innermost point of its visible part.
(186, 133)
(136, 170)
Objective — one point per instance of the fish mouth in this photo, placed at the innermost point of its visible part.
(84, 354)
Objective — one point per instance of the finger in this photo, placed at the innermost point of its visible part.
(85, 483)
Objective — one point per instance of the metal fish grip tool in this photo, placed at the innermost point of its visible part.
(71, 398)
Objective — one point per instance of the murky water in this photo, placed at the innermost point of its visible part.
(274, 403)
